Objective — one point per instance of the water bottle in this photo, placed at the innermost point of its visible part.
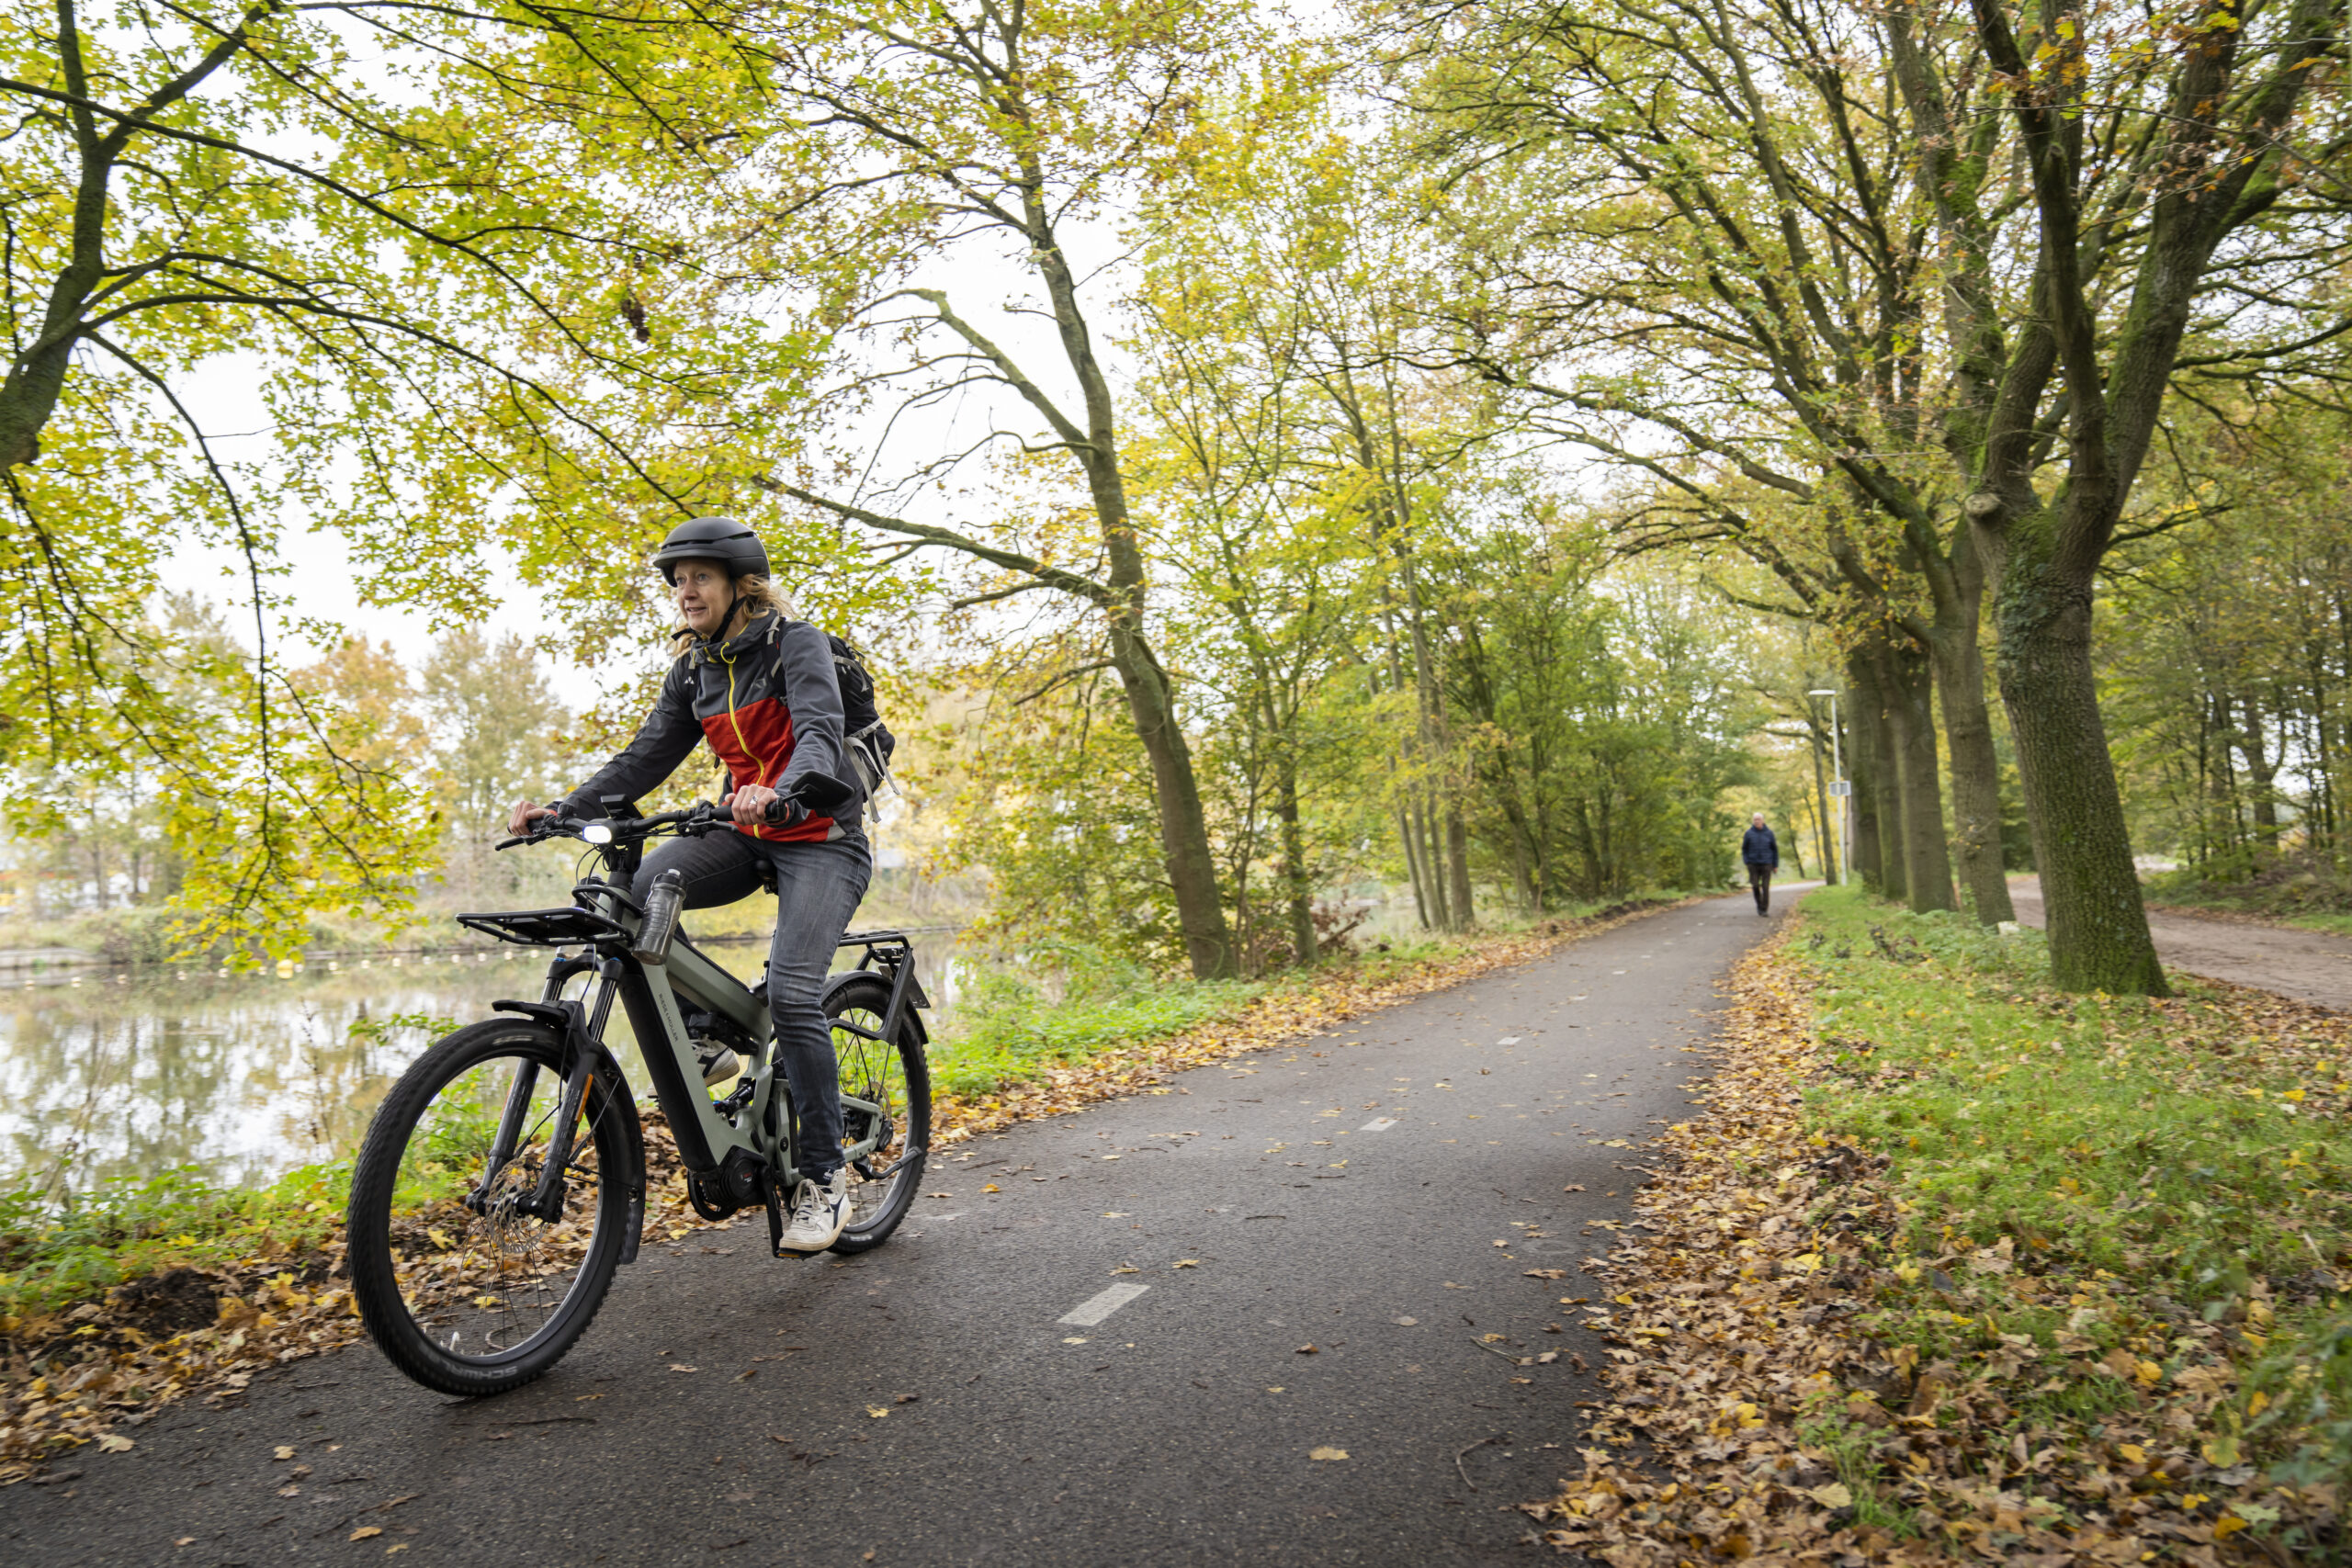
(662, 906)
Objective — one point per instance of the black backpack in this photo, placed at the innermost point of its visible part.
(869, 739)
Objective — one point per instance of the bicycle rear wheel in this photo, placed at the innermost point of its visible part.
(463, 1289)
(893, 1078)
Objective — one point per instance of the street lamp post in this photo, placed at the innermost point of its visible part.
(1842, 788)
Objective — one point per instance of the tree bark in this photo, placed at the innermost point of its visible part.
(1927, 858)
(2098, 921)
(1433, 860)
(1183, 824)
(1976, 775)
(1876, 769)
(1448, 841)
(1822, 823)
(1305, 946)
(2262, 772)
(1861, 777)
(1458, 869)
(1410, 839)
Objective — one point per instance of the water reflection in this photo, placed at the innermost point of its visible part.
(113, 1074)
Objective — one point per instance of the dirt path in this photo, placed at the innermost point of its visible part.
(2312, 967)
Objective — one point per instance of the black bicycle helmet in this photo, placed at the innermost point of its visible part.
(721, 539)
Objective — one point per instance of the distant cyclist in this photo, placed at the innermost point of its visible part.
(1762, 851)
(762, 688)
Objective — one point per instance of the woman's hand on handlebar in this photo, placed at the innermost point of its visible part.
(526, 817)
(756, 806)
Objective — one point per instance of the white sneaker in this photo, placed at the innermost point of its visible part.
(719, 1064)
(818, 1215)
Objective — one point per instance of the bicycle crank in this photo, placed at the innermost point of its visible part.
(775, 1200)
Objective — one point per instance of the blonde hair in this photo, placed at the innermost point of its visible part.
(752, 594)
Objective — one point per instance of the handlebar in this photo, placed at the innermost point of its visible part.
(816, 792)
(617, 832)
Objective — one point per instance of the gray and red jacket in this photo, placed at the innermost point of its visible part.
(769, 704)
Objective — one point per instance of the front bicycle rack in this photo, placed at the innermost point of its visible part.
(568, 927)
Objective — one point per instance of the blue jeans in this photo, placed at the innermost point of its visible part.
(817, 887)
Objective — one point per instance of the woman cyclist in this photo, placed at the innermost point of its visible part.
(762, 688)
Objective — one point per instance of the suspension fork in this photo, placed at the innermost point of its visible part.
(578, 1065)
(580, 1046)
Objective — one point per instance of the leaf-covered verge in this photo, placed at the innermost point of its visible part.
(1959, 1269)
(147, 1293)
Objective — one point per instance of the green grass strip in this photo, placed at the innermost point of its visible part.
(2167, 1178)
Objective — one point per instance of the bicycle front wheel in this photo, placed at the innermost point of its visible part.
(886, 1110)
(463, 1286)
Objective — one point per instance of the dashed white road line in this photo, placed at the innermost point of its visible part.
(1096, 1308)
(1378, 1124)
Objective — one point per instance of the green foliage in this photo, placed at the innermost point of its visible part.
(1613, 721)
(2304, 1390)
(2151, 1163)
(2226, 667)
(52, 1255)
(1052, 797)
(437, 262)
(1060, 1004)
(2109, 1133)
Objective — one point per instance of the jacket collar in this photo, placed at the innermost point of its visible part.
(758, 629)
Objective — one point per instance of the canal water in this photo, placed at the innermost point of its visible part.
(108, 1073)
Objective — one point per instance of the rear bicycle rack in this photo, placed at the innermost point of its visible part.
(568, 927)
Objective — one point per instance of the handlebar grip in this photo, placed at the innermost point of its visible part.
(510, 843)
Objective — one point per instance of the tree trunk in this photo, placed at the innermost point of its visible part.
(2098, 923)
(1822, 823)
(1955, 580)
(1876, 769)
(1975, 776)
(1411, 841)
(1458, 869)
(1862, 807)
(1927, 858)
(2262, 772)
(1304, 945)
(1432, 861)
(1183, 824)
(1861, 779)
(1448, 843)
(1431, 871)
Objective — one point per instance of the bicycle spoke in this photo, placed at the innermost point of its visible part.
(886, 1115)
(491, 1274)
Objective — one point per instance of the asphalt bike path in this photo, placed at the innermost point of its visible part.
(1121, 1335)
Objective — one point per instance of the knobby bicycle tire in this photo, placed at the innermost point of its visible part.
(863, 1064)
(400, 1220)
